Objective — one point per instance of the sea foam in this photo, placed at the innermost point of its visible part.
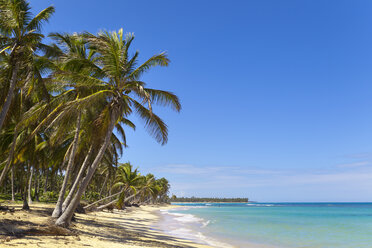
(188, 226)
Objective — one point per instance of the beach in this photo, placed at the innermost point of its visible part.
(132, 228)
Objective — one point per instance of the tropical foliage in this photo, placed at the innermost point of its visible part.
(64, 110)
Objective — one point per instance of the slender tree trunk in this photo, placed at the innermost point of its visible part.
(58, 209)
(25, 203)
(110, 189)
(46, 180)
(107, 204)
(13, 196)
(77, 180)
(9, 97)
(29, 188)
(108, 197)
(24, 193)
(104, 185)
(51, 184)
(36, 185)
(112, 202)
(148, 200)
(65, 218)
(10, 157)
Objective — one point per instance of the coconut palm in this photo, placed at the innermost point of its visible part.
(123, 93)
(148, 187)
(72, 58)
(128, 180)
(20, 37)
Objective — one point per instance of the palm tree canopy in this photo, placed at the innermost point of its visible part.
(20, 32)
(120, 77)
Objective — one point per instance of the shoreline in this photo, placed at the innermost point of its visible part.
(206, 202)
(132, 228)
(195, 228)
(188, 227)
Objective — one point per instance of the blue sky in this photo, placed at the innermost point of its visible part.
(276, 95)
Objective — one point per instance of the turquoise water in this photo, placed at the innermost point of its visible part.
(310, 225)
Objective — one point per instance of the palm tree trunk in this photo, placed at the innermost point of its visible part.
(77, 180)
(25, 203)
(112, 202)
(13, 196)
(110, 187)
(65, 219)
(107, 204)
(51, 184)
(46, 180)
(36, 185)
(148, 200)
(108, 197)
(10, 157)
(29, 188)
(24, 192)
(58, 209)
(104, 185)
(9, 97)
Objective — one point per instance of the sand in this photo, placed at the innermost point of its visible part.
(130, 228)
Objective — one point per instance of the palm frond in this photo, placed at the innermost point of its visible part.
(154, 125)
(156, 60)
(42, 16)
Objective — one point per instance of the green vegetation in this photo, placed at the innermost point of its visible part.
(206, 199)
(64, 109)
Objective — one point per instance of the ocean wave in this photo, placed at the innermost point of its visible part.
(190, 227)
(186, 218)
(206, 223)
(260, 205)
(212, 242)
(181, 208)
(189, 234)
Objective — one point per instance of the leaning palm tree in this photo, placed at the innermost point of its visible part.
(130, 184)
(148, 187)
(123, 93)
(72, 57)
(20, 37)
(127, 180)
(163, 189)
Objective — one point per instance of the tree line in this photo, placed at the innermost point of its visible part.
(64, 109)
(174, 198)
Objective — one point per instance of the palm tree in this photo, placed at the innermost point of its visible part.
(20, 37)
(128, 180)
(123, 93)
(148, 187)
(163, 189)
(72, 57)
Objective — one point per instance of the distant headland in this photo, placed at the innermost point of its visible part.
(206, 199)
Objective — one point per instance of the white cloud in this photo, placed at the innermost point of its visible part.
(355, 164)
(188, 169)
(191, 179)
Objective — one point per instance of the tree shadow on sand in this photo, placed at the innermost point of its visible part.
(130, 233)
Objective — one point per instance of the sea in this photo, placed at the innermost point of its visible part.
(268, 225)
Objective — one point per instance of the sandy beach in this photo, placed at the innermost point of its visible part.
(127, 228)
